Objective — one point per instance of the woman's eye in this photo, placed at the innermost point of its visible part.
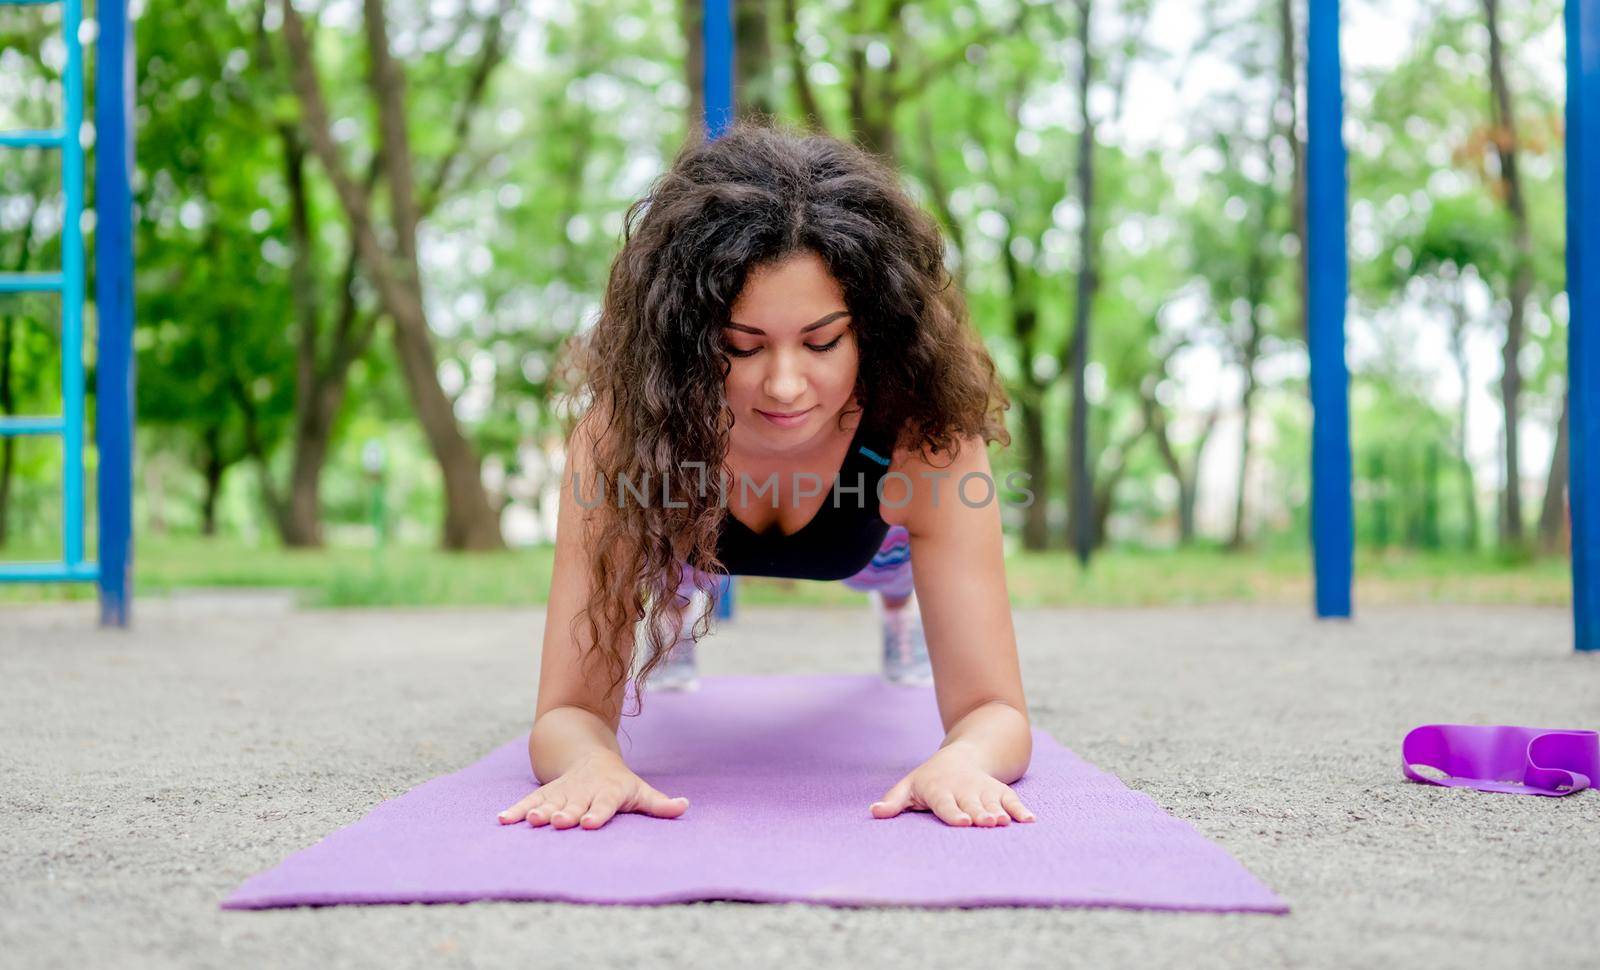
(818, 348)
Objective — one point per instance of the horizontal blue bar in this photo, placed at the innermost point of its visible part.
(30, 282)
(37, 138)
(32, 424)
(48, 572)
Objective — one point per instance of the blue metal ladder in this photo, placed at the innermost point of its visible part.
(114, 292)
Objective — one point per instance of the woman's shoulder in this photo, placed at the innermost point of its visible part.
(931, 476)
(917, 455)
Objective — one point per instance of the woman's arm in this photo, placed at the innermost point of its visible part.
(958, 568)
(573, 748)
(575, 718)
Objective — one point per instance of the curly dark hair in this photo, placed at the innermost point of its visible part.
(654, 363)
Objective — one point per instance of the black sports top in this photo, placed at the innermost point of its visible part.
(840, 539)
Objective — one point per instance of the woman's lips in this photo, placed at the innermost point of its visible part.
(786, 420)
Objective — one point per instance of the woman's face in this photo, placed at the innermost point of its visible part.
(792, 347)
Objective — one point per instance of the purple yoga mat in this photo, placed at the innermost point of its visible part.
(779, 772)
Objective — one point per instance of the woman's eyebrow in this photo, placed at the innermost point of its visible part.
(808, 327)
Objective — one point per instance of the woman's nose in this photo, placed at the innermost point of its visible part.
(785, 380)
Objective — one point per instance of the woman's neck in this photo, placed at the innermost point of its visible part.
(826, 450)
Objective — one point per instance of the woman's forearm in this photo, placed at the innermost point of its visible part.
(998, 736)
(565, 736)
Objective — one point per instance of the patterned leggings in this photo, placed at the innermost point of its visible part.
(889, 572)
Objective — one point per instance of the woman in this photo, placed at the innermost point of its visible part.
(779, 316)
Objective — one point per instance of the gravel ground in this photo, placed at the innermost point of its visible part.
(147, 773)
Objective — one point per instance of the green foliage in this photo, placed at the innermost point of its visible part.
(975, 101)
(213, 320)
(415, 576)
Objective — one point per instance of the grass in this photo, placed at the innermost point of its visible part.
(420, 576)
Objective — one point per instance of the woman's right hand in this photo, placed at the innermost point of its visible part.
(589, 793)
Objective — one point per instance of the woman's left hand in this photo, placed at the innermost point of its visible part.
(952, 785)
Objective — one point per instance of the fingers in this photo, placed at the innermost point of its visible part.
(519, 811)
(970, 804)
(566, 816)
(654, 803)
(589, 809)
(894, 801)
(540, 813)
(1013, 804)
(944, 805)
(601, 809)
(991, 808)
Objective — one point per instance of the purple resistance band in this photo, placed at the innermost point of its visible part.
(1516, 760)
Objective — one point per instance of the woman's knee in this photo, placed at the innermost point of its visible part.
(889, 571)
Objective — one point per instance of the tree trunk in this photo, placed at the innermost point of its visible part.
(873, 94)
(1036, 523)
(1188, 479)
(1080, 483)
(1187, 493)
(1256, 286)
(299, 517)
(1104, 498)
(319, 387)
(939, 192)
(1189, 487)
(155, 494)
(1378, 481)
(211, 469)
(1022, 291)
(322, 376)
(1246, 412)
(1106, 488)
(691, 16)
(1430, 497)
(1553, 515)
(752, 59)
(1458, 352)
(1505, 138)
(469, 521)
(1288, 99)
(805, 96)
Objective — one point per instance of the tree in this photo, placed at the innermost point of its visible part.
(212, 300)
(1080, 486)
(335, 327)
(470, 521)
(1457, 246)
(1024, 192)
(1435, 154)
(1504, 120)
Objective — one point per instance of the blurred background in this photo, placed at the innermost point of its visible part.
(363, 231)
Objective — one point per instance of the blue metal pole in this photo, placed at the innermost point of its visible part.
(718, 28)
(717, 23)
(72, 289)
(1332, 526)
(1583, 300)
(113, 106)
